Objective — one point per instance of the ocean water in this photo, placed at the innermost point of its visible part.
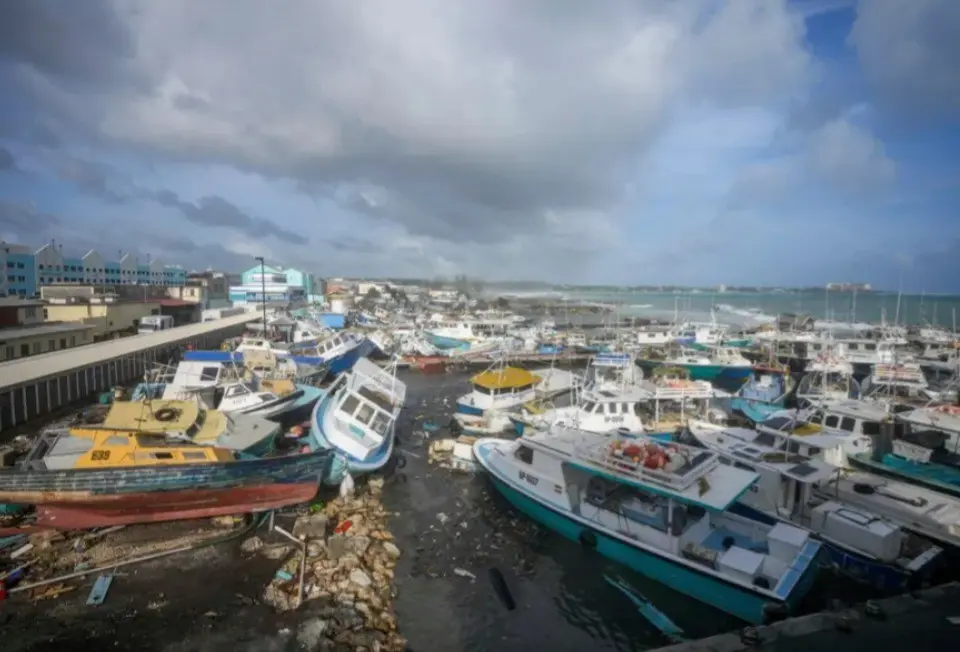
(451, 526)
(754, 308)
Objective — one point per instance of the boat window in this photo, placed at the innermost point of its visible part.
(588, 406)
(380, 423)
(233, 391)
(162, 456)
(848, 424)
(194, 455)
(349, 404)
(481, 389)
(793, 447)
(744, 467)
(870, 347)
(365, 414)
(870, 428)
(831, 421)
(524, 454)
(813, 451)
(815, 418)
(815, 347)
(853, 346)
(209, 373)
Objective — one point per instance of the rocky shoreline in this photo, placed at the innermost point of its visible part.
(346, 563)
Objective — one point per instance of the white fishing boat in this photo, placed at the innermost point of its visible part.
(499, 392)
(662, 511)
(357, 419)
(829, 377)
(860, 543)
(612, 372)
(898, 384)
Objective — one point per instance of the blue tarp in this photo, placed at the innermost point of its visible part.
(333, 320)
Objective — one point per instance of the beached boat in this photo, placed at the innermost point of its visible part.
(84, 478)
(860, 543)
(716, 363)
(501, 391)
(357, 418)
(186, 421)
(661, 511)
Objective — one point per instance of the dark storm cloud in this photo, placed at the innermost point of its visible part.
(911, 53)
(7, 161)
(83, 42)
(218, 212)
(91, 177)
(24, 220)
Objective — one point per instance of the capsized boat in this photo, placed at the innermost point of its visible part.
(357, 418)
(189, 422)
(860, 543)
(662, 511)
(84, 478)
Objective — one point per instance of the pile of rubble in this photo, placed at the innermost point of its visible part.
(345, 563)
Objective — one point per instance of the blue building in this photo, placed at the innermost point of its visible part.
(286, 285)
(28, 269)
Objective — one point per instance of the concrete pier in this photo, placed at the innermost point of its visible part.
(39, 385)
(923, 620)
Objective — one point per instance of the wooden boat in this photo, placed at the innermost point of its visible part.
(188, 421)
(84, 478)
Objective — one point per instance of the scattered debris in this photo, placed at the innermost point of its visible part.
(455, 454)
(462, 572)
(99, 591)
(349, 573)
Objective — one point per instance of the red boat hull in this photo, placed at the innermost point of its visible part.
(159, 506)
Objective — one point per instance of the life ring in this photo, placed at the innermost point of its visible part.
(166, 414)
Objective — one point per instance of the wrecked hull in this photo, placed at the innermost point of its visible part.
(85, 498)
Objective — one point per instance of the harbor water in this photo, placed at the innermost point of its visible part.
(452, 529)
(753, 308)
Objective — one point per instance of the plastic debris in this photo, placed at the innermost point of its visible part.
(99, 591)
(462, 572)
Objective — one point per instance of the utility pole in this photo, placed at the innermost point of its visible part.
(263, 293)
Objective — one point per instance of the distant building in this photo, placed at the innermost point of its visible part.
(281, 284)
(28, 269)
(849, 287)
(363, 288)
(24, 331)
(209, 289)
(107, 315)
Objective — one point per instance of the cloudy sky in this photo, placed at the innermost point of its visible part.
(636, 141)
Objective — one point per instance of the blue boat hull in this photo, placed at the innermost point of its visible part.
(466, 408)
(756, 411)
(885, 577)
(725, 596)
(345, 361)
(447, 343)
(343, 462)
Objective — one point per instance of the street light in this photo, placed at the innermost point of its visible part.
(263, 292)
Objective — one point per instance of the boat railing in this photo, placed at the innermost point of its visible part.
(683, 392)
(697, 464)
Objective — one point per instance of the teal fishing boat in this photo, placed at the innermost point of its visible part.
(764, 393)
(925, 449)
(717, 363)
(661, 510)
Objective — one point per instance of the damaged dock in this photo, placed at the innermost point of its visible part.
(899, 623)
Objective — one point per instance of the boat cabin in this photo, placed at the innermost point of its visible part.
(182, 419)
(95, 448)
(611, 371)
(931, 435)
(365, 409)
(502, 388)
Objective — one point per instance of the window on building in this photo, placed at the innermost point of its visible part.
(30, 313)
(10, 352)
(36, 348)
(24, 349)
(52, 345)
(73, 340)
(63, 342)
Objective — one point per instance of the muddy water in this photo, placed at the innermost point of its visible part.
(447, 520)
